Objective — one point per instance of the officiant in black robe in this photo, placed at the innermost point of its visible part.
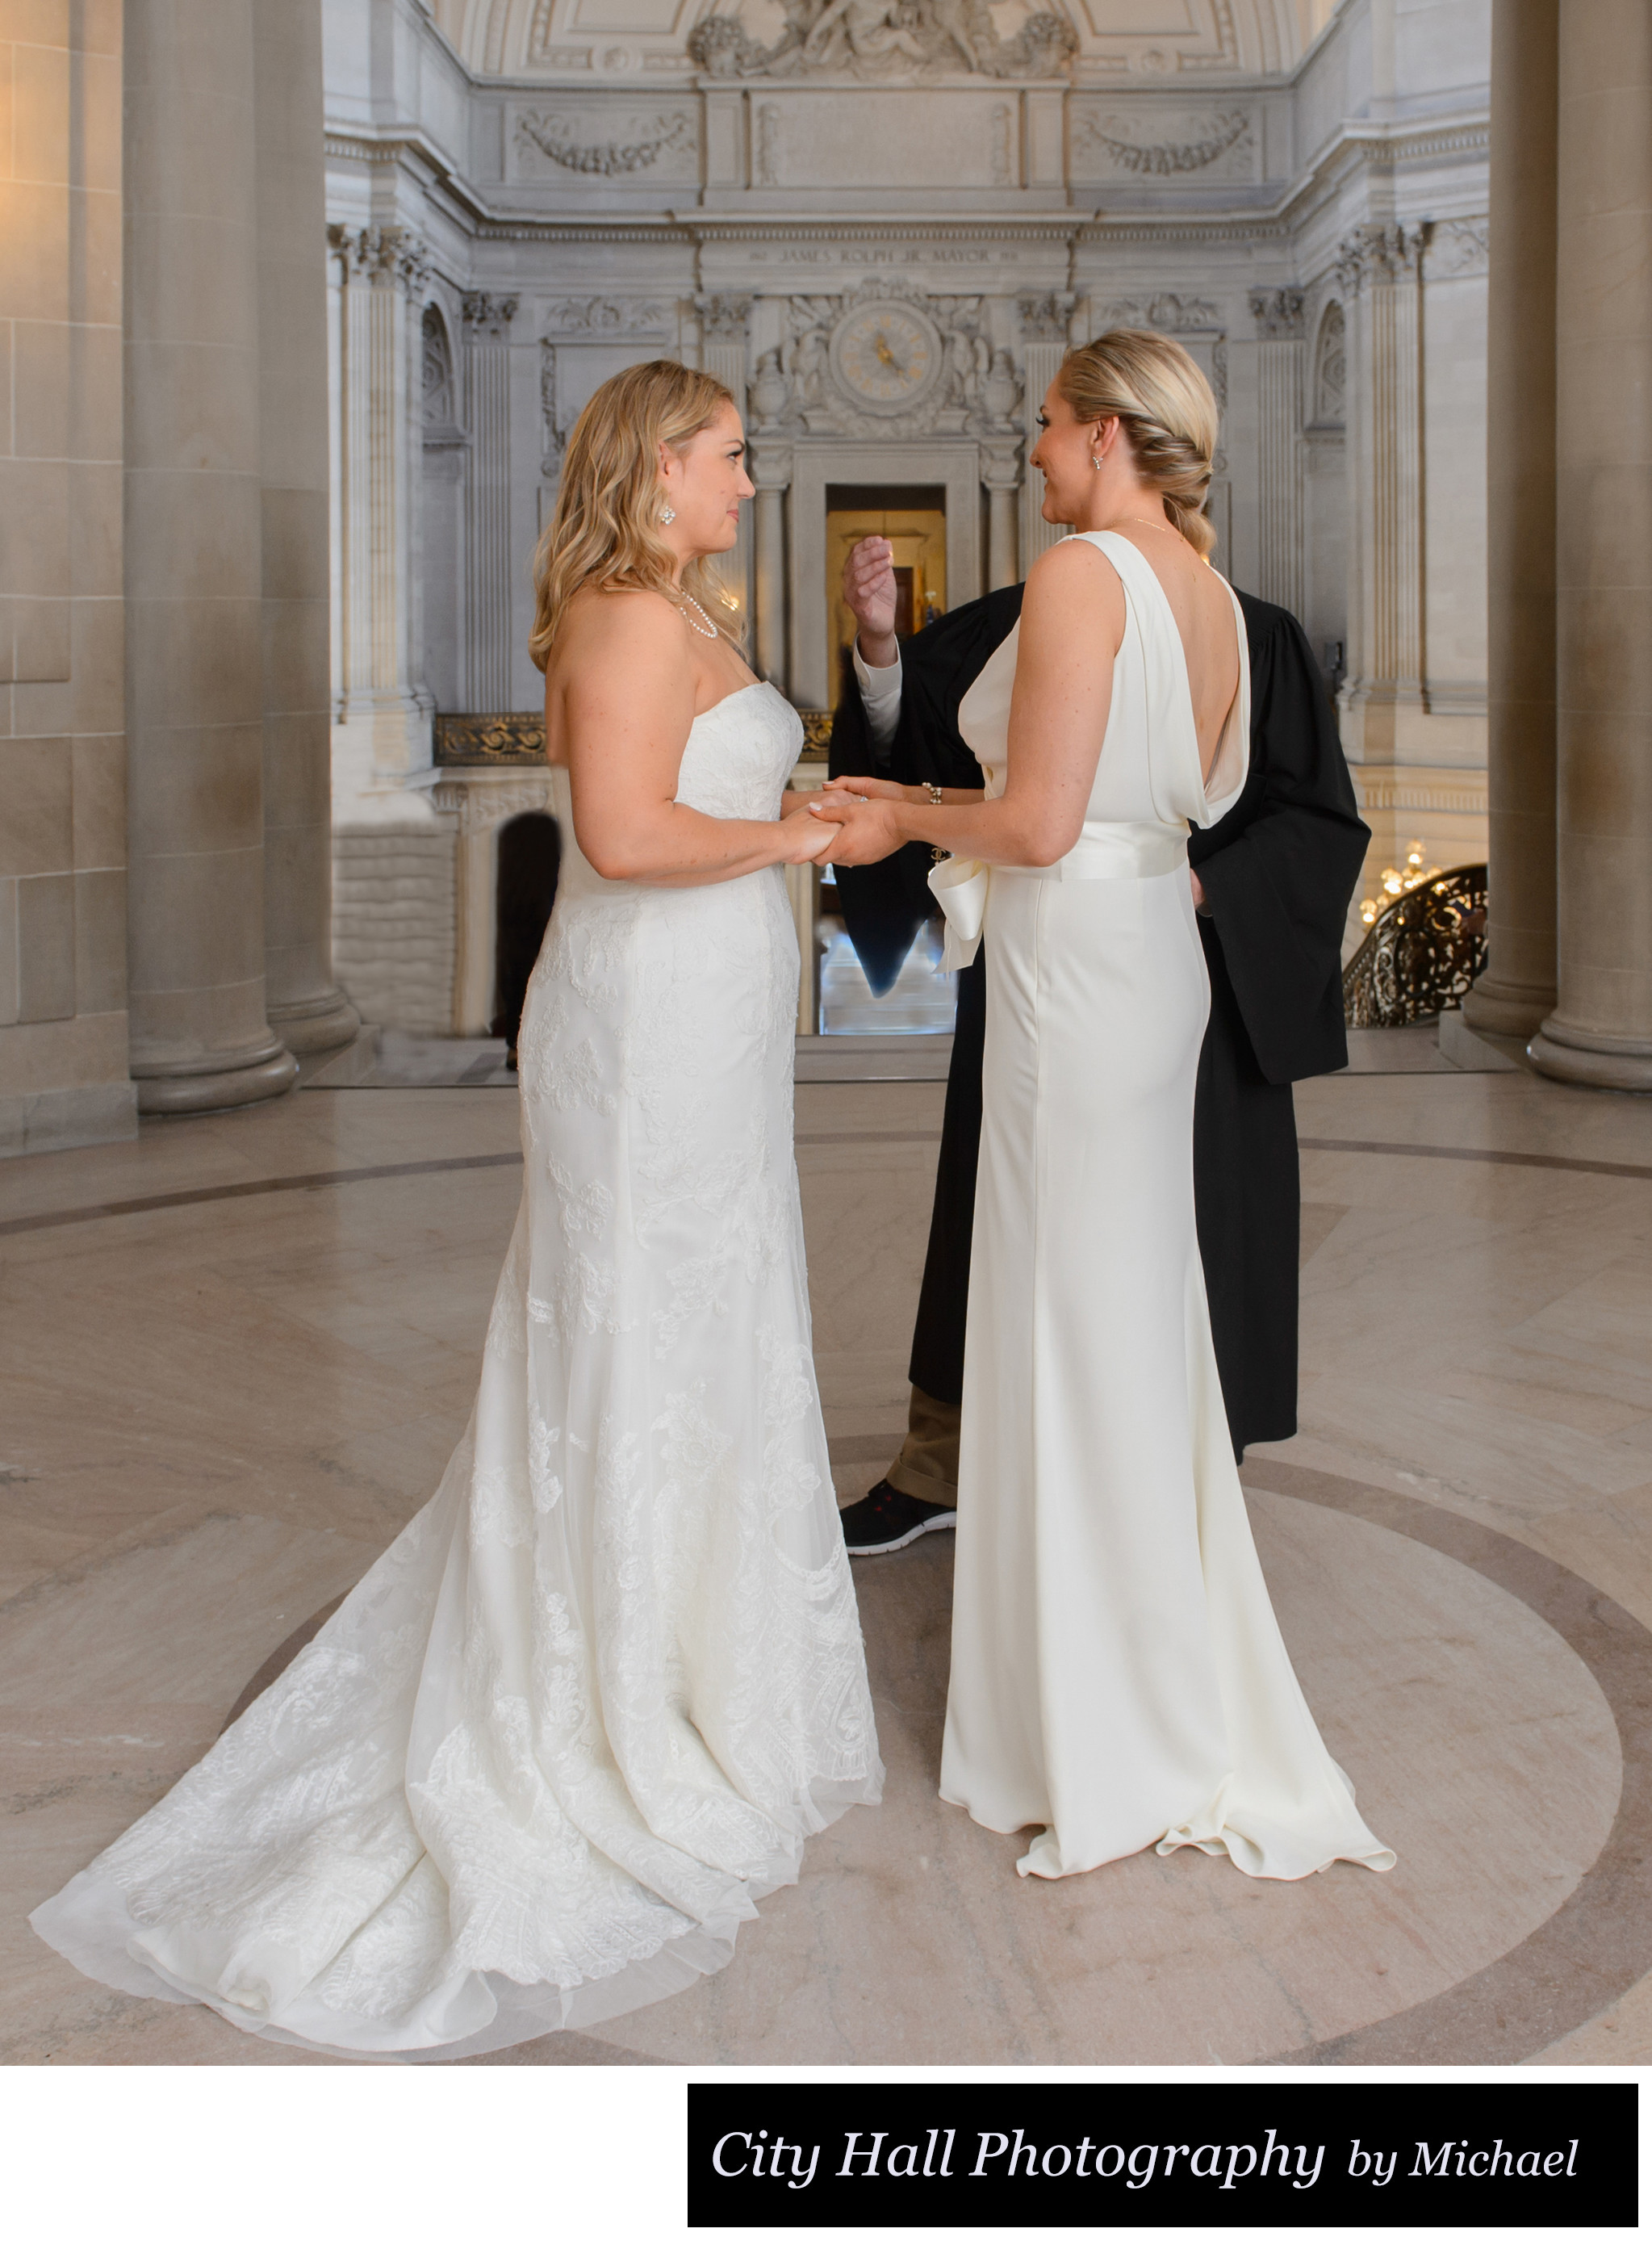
(1277, 873)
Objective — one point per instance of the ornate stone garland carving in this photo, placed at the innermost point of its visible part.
(553, 136)
(1228, 129)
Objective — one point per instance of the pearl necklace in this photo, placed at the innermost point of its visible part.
(705, 627)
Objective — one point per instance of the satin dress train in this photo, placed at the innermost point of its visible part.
(1118, 1677)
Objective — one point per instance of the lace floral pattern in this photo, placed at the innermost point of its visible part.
(538, 1766)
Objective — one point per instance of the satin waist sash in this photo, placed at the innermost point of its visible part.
(1102, 852)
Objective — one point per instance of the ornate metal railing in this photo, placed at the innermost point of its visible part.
(1423, 955)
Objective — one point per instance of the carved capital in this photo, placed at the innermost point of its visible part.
(770, 465)
(1378, 256)
(384, 256)
(487, 318)
(1278, 314)
(1045, 318)
(1001, 465)
(723, 318)
(1459, 248)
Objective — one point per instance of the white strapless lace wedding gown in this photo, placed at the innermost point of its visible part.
(1118, 1677)
(538, 1767)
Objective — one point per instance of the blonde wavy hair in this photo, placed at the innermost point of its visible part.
(1168, 412)
(605, 527)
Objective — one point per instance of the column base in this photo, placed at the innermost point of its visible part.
(1566, 1053)
(318, 1023)
(221, 1089)
(1506, 1007)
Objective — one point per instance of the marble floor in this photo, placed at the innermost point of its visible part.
(238, 1350)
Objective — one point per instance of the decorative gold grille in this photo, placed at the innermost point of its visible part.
(1423, 955)
(489, 742)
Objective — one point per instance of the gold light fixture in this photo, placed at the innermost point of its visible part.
(1399, 881)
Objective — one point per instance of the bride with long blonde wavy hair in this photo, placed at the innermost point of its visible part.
(604, 529)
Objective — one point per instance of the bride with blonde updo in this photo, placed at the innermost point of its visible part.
(1118, 1677)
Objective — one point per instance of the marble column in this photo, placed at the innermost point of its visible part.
(771, 473)
(1600, 1029)
(725, 323)
(1280, 349)
(489, 556)
(302, 1002)
(1044, 322)
(1378, 268)
(200, 1037)
(1518, 987)
(383, 719)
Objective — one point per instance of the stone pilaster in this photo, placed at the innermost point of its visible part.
(1280, 352)
(200, 1037)
(724, 322)
(488, 558)
(382, 716)
(1000, 472)
(1378, 269)
(1518, 987)
(771, 472)
(1045, 324)
(303, 1003)
(1600, 1029)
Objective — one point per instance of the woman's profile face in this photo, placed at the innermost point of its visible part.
(1062, 457)
(704, 483)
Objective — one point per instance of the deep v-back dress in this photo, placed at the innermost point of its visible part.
(586, 1710)
(1118, 1676)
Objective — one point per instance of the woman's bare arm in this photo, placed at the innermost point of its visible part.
(1072, 624)
(627, 702)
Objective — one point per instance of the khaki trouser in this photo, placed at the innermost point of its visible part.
(927, 1467)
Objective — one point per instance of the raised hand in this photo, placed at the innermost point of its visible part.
(869, 593)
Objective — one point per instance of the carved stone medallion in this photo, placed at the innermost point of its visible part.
(888, 356)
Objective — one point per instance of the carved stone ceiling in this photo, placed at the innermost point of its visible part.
(1123, 43)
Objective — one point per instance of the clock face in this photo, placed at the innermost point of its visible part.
(887, 356)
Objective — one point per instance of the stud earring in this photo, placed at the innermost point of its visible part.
(668, 513)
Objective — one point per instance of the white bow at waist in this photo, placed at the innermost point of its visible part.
(1102, 852)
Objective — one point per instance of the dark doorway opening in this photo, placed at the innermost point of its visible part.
(529, 859)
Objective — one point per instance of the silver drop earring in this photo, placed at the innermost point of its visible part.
(668, 513)
(1095, 463)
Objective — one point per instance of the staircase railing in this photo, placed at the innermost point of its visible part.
(1423, 955)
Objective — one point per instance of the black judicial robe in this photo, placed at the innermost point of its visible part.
(1278, 872)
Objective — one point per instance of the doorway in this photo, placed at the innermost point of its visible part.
(914, 518)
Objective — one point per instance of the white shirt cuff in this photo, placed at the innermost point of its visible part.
(881, 692)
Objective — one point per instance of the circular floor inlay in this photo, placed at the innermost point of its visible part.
(1484, 1748)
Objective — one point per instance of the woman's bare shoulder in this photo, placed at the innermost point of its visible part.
(622, 620)
(1067, 581)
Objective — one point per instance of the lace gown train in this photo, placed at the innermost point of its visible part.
(584, 1712)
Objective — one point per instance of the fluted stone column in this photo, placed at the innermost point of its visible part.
(771, 473)
(489, 556)
(724, 326)
(1000, 472)
(1280, 349)
(1517, 989)
(1378, 269)
(1601, 1030)
(200, 1038)
(1043, 326)
(303, 1004)
(382, 719)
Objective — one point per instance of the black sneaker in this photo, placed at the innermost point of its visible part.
(886, 1519)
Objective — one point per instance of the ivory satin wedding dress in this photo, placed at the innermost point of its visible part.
(1118, 1676)
(586, 1710)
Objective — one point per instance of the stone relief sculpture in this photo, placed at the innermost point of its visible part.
(606, 315)
(1330, 370)
(886, 360)
(554, 136)
(1211, 138)
(885, 38)
(551, 465)
(1459, 248)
